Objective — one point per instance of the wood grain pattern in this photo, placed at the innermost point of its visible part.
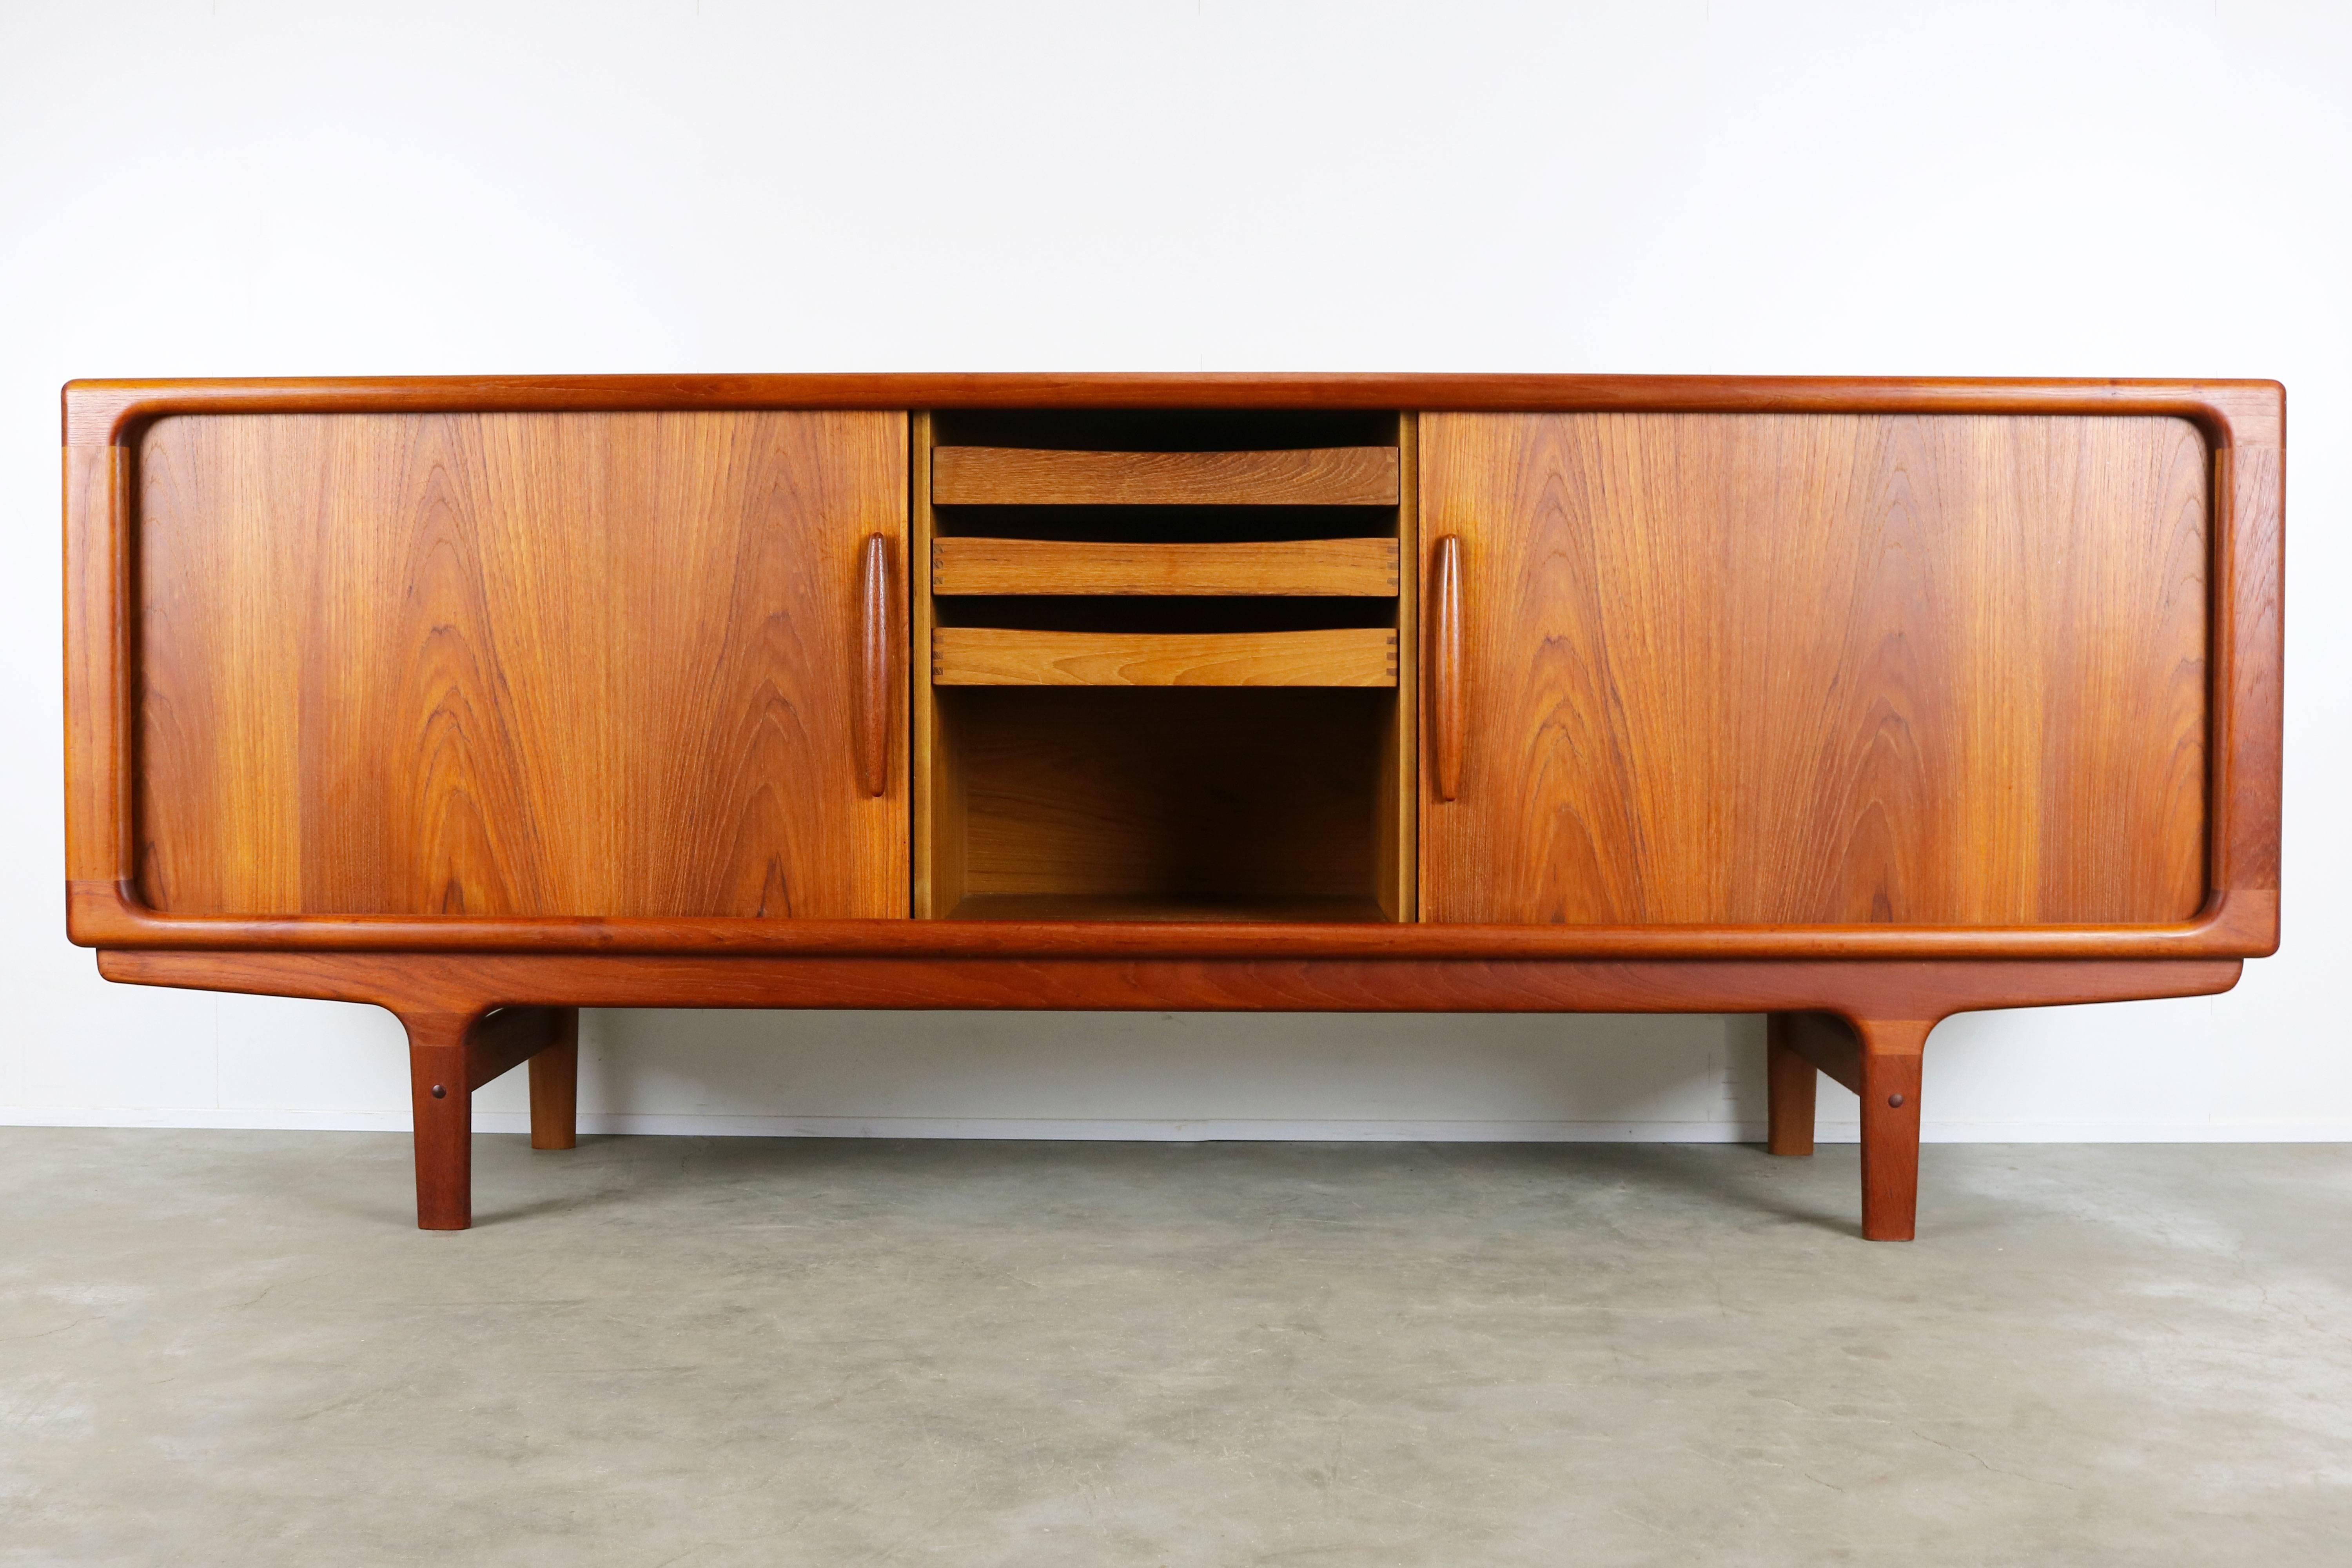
(1396, 866)
(937, 784)
(1088, 980)
(1810, 610)
(993, 656)
(513, 665)
(1824, 1045)
(1888, 1008)
(2250, 637)
(1447, 669)
(1734, 670)
(501, 1041)
(1261, 798)
(105, 412)
(1890, 1052)
(104, 917)
(555, 1086)
(1165, 907)
(1017, 475)
(1318, 567)
(1790, 1099)
(881, 653)
(99, 667)
(1219, 798)
(2243, 423)
(441, 1113)
(452, 1052)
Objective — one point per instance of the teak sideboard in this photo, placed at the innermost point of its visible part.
(1857, 703)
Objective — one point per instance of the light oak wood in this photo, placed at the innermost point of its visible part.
(1014, 476)
(992, 656)
(518, 664)
(1320, 567)
(1832, 669)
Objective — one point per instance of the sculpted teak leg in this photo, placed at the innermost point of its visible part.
(1789, 1079)
(443, 1108)
(1878, 1059)
(555, 1086)
(1890, 1052)
(450, 1055)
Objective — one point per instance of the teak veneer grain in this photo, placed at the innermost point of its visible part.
(1316, 568)
(992, 656)
(1013, 476)
(1819, 670)
(1854, 702)
(524, 665)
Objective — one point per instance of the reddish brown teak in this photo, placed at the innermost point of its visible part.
(1856, 703)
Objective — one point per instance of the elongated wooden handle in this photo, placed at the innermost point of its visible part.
(878, 660)
(1446, 670)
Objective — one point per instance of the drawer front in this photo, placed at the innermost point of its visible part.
(522, 664)
(1944, 670)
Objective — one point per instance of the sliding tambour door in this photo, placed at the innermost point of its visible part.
(522, 664)
(1814, 669)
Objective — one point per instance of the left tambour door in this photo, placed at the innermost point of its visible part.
(520, 664)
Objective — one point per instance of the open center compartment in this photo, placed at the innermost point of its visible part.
(1162, 666)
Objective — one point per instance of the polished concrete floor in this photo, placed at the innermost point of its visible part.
(233, 1348)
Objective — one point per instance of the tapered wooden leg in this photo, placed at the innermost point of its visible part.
(451, 1055)
(1890, 1057)
(443, 1105)
(555, 1086)
(1789, 1079)
(1878, 1059)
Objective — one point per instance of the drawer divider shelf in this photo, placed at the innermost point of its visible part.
(1364, 568)
(1022, 476)
(990, 656)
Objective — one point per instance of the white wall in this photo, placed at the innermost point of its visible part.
(2126, 189)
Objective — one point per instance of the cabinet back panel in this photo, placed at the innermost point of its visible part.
(516, 664)
(1932, 669)
(1250, 792)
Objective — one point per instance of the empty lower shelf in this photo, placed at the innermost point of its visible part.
(1293, 909)
(993, 656)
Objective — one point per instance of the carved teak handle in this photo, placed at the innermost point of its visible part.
(875, 661)
(1445, 671)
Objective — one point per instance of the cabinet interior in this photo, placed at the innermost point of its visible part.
(1161, 665)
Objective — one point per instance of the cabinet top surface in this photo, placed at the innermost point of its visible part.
(100, 411)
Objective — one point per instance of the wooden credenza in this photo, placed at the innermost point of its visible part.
(1857, 703)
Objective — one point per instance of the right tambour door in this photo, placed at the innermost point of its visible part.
(1933, 669)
